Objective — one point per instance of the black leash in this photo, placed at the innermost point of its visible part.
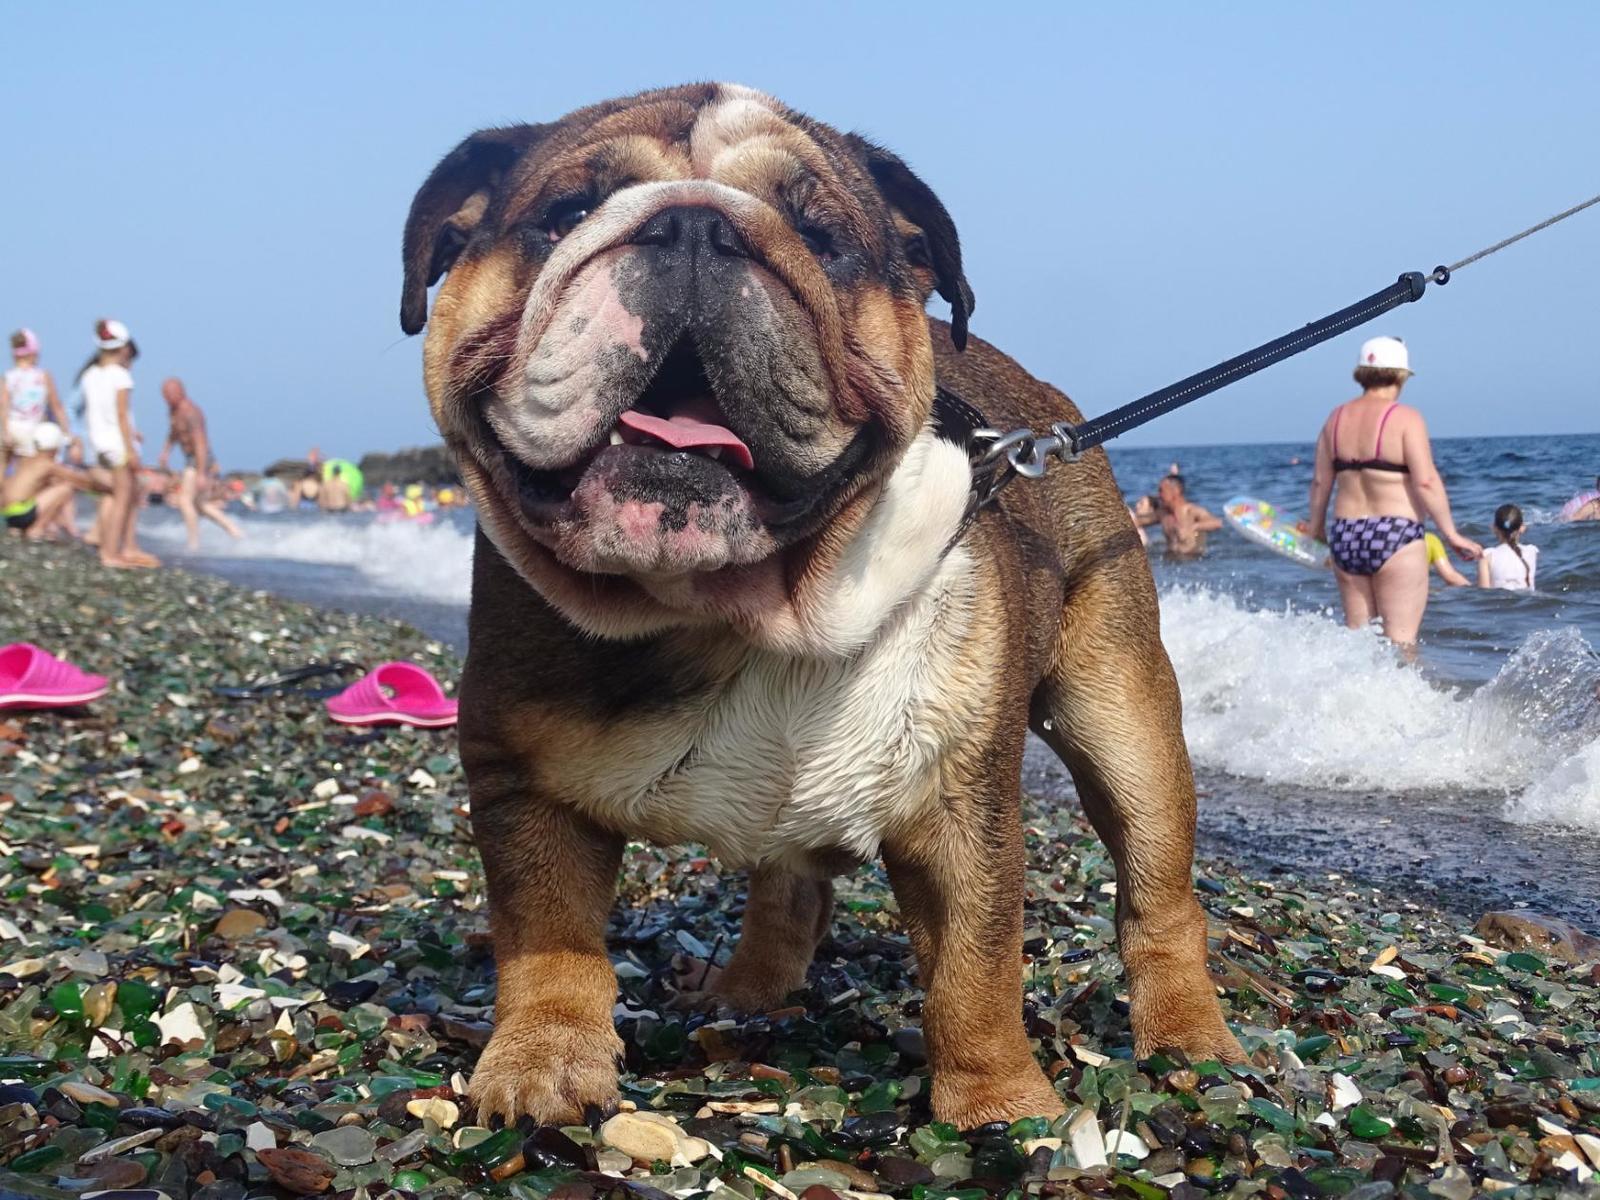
(998, 458)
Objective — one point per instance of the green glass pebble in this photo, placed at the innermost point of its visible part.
(23, 1066)
(409, 1181)
(1310, 1047)
(100, 1116)
(38, 1160)
(498, 1147)
(1029, 1127)
(880, 1097)
(222, 1102)
(145, 1034)
(1366, 1124)
(1275, 1115)
(1520, 961)
(66, 999)
(1448, 993)
(135, 999)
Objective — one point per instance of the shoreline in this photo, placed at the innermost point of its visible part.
(241, 939)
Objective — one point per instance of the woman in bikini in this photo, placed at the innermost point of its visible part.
(1377, 537)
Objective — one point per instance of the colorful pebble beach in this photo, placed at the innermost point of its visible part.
(244, 953)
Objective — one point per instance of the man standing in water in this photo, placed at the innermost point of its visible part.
(186, 429)
(1184, 522)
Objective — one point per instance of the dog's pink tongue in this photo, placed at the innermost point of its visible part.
(685, 433)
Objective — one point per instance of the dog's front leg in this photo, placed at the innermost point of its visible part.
(959, 884)
(1115, 718)
(552, 880)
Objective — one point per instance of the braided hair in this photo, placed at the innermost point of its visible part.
(1508, 523)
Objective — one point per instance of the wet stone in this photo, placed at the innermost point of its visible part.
(111, 1173)
(348, 1145)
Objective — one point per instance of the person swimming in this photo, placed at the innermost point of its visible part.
(1439, 561)
(1585, 506)
(1510, 565)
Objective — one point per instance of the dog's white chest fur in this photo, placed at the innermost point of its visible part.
(797, 753)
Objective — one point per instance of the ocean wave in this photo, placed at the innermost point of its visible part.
(429, 562)
(1293, 697)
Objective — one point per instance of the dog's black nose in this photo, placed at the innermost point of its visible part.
(692, 227)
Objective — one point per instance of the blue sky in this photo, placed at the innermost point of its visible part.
(1140, 191)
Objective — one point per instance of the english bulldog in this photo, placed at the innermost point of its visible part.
(727, 590)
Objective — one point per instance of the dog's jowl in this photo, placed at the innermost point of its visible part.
(723, 590)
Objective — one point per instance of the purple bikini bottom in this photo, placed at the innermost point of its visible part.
(1361, 545)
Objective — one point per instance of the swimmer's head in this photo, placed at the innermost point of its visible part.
(1172, 487)
(1508, 522)
(172, 391)
(24, 345)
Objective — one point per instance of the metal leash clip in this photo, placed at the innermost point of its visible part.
(998, 458)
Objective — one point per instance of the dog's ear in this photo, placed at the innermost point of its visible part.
(448, 207)
(913, 199)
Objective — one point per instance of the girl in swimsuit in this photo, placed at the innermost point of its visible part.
(1378, 553)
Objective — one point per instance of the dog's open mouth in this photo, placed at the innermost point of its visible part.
(677, 412)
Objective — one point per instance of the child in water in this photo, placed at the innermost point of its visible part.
(1510, 565)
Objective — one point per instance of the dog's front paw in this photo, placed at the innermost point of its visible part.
(1190, 1021)
(555, 1072)
(969, 1099)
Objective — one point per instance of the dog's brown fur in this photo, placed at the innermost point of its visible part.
(1063, 636)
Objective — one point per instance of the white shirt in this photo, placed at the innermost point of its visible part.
(1506, 570)
(100, 386)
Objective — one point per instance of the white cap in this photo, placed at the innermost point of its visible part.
(47, 437)
(1388, 352)
(111, 335)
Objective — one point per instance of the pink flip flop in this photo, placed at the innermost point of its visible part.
(31, 678)
(397, 693)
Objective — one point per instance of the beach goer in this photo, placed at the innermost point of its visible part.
(1184, 522)
(1379, 556)
(32, 496)
(272, 496)
(308, 490)
(186, 429)
(27, 399)
(335, 496)
(1439, 562)
(1585, 506)
(107, 388)
(1511, 564)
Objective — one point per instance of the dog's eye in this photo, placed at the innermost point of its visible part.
(564, 217)
(819, 241)
(917, 252)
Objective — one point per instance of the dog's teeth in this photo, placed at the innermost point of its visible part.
(616, 437)
(714, 452)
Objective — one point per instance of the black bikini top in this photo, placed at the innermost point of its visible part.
(1376, 462)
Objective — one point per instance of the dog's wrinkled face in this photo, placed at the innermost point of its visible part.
(681, 333)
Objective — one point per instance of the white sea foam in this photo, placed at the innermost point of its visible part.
(431, 562)
(1295, 698)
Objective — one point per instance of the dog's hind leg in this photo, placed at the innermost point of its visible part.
(1109, 706)
(785, 917)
